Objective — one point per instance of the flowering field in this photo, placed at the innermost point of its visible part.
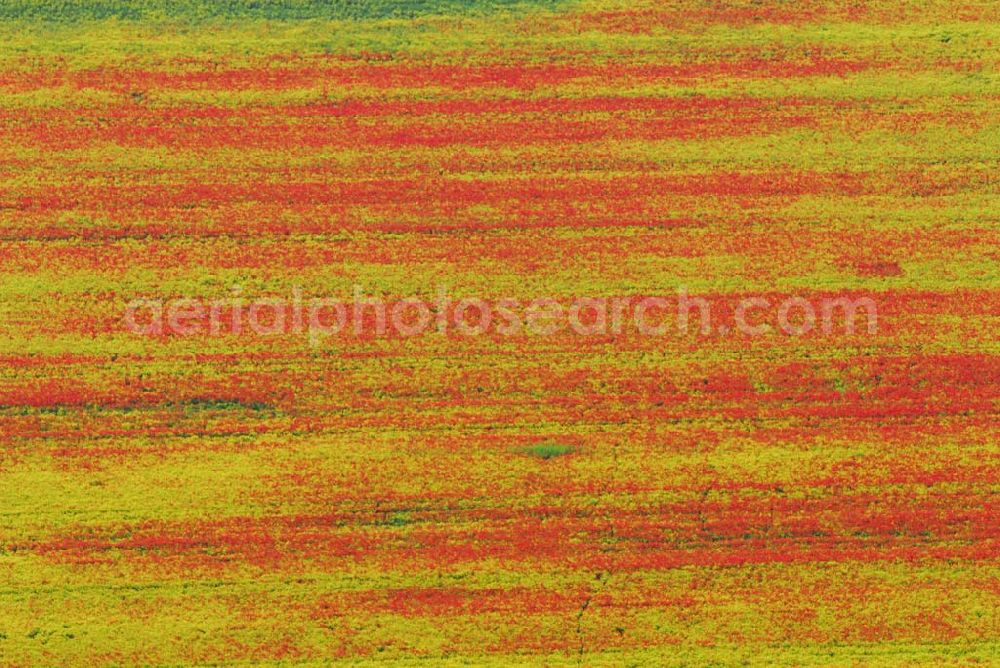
(246, 483)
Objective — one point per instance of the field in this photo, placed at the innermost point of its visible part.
(225, 497)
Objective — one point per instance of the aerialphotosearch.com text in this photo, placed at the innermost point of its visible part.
(364, 315)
